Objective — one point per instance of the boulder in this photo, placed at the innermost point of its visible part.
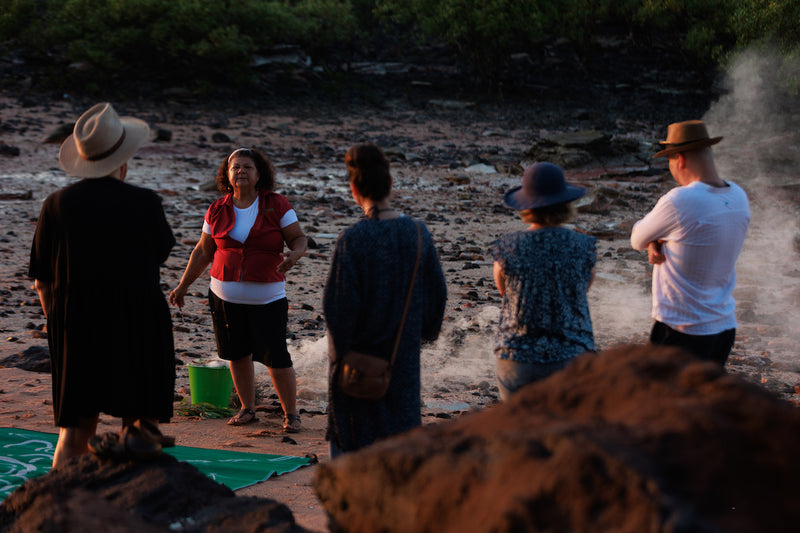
(33, 359)
(634, 439)
(90, 494)
(576, 149)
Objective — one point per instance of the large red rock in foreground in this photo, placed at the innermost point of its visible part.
(88, 494)
(635, 439)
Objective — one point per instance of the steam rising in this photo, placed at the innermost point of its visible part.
(760, 120)
(760, 151)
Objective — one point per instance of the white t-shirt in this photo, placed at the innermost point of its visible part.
(703, 228)
(249, 292)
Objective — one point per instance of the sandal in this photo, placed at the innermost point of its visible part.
(291, 424)
(104, 445)
(139, 445)
(243, 417)
(151, 430)
(132, 444)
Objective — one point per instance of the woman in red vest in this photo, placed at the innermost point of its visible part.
(243, 240)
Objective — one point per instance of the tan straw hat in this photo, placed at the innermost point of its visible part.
(101, 142)
(685, 136)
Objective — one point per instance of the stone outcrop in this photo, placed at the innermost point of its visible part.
(634, 439)
(575, 149)
(33, 359)
(89, 494)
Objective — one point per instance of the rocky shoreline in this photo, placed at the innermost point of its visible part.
(453, 153)
(450, 165)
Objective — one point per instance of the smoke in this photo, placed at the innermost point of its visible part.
(310, 359)
(760, 121)
(620, 301)
(759, 117)
(462, 358)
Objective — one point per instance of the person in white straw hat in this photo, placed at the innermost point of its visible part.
(95, 260)
(101, 142)
(693, 237)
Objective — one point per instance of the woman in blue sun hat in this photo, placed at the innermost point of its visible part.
(543, 274)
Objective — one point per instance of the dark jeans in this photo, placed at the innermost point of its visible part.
(714, 347)
(513, 375)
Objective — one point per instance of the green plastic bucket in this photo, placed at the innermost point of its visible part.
(210, 385)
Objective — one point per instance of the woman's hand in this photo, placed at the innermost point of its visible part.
(290, 259)
(296, 240)
(499, 278)
(201, 257)
(176, 296)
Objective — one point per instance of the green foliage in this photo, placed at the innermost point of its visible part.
(203, 410)
(772, 26)
(485, 32)
(709, 30)
(324, 24)
(15, 16)
(700, 28)
(581, 20)
(200, 41)
(211, 43)
(775, 21)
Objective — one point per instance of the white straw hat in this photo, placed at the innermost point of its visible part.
(101, 142)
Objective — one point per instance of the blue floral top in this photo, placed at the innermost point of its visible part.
(545, 314)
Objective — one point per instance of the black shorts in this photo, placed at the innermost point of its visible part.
(242, 329)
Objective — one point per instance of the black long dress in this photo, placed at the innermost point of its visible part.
(363, 304)
(100, 243)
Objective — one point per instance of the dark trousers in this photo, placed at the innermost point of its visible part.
(714, 347)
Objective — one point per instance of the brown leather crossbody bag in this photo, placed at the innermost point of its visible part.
(366, 376)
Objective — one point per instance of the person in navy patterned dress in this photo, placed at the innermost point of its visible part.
(363, 304)
(543, 275)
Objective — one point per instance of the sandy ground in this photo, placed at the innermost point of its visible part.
(450, 168)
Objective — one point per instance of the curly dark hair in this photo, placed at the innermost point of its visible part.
(266, 171)
(368, 170)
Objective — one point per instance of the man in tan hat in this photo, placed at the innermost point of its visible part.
(95, 260)
(693, 237)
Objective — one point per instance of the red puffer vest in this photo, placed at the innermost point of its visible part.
(257, 258)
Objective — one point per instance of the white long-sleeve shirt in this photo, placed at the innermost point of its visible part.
(702, 229)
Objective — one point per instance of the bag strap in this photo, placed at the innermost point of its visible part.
(408, 295)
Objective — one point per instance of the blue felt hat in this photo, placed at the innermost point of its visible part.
(543, 184)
